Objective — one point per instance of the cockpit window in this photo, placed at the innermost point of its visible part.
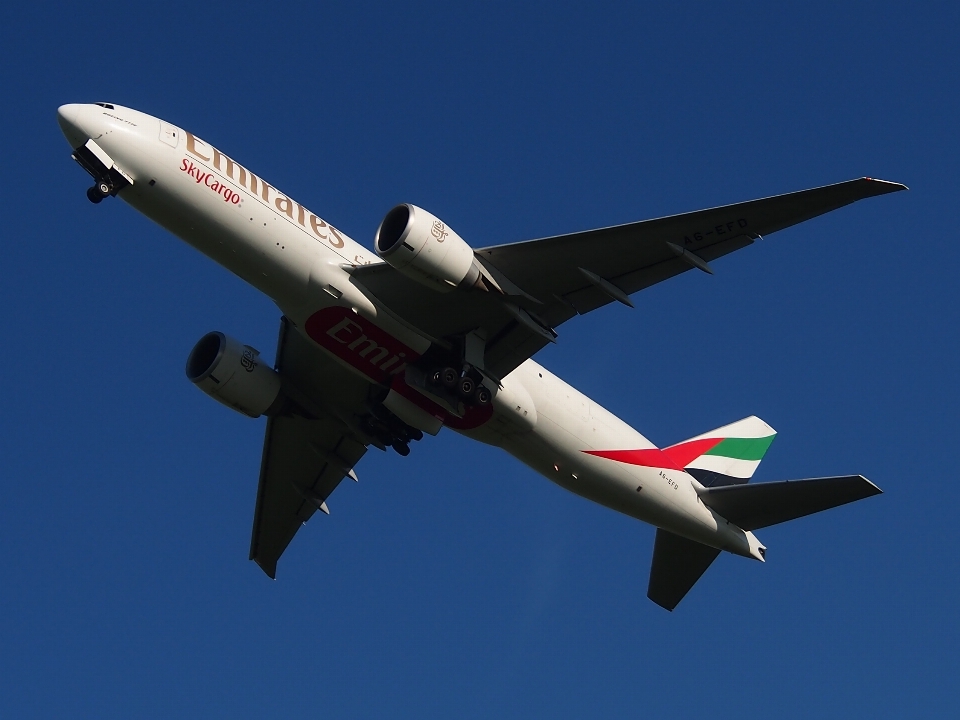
(108, 106)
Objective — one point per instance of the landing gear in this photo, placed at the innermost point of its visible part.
(469, 388)
(108, 179)
(483, 396)
(389, 430)
(98, 192)
(449, 378)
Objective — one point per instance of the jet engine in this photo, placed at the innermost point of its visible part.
(233, 374)
(424, 249)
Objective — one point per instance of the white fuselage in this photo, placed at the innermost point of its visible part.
(297, 259)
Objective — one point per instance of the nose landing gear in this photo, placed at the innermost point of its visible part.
(98, 192)
(108, 178)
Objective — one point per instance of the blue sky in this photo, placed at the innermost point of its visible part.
(456, 582)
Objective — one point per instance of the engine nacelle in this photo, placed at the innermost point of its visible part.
(423, 248)
(232, 373)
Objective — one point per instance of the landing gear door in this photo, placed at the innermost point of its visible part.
(169, 134)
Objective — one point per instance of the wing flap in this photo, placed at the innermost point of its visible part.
(758, 506)
(677, 565)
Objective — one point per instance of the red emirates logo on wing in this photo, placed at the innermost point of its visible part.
(382, 358)
(359, 343)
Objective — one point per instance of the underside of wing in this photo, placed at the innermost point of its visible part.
(546, 282)
(442, 317)
(306, 451)
(637, 255)
(303, 462)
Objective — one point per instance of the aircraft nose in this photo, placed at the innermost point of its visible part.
(68, 117)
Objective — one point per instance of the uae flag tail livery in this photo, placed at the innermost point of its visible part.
(728, 455)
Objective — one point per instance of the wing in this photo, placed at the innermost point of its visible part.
(305, 454)
(548, 281)
(635, 256)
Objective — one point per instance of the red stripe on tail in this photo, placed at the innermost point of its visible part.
(672, 458)
(653, 457)
(685, 453)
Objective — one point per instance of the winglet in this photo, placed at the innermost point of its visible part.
(885, 186)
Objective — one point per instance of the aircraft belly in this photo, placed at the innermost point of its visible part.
(568, 424)
(552, 451)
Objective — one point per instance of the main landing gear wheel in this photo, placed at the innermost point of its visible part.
(104, 187)
(483, 396)
(401, 447)
(467, 386)
(449, 378)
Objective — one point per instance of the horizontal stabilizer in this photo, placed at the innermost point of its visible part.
(677, 564)
(757, 506)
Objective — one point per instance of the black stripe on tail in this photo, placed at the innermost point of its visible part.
(708, 478)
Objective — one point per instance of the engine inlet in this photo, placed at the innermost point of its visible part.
(393, 229)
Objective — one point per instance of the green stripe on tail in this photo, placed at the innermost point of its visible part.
(742, 448)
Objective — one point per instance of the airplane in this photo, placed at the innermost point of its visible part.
(376, 350)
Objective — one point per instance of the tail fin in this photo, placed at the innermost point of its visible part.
(728, 455)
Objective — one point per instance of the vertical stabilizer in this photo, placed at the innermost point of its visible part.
(728, 455)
